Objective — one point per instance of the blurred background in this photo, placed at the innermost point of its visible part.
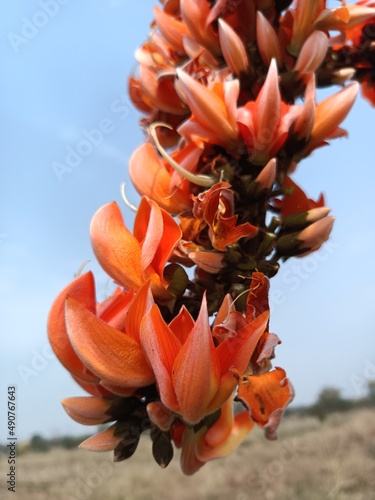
(64, 73)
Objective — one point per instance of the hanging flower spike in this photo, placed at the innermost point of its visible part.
(113, 311)
(213, 110)
(130, 259)
(194, 378)
(114, 356)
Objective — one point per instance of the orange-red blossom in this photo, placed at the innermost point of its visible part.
(132, 259)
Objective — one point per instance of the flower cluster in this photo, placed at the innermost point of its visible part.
(228, 93)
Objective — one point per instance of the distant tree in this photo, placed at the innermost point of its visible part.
(38, 443)
(329, 401)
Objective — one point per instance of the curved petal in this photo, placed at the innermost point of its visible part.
(266, 395)
(104, 441)
(116, 249)
(225, 434)
(87, 410)
(114, 309)
(152, 179)
(110, 354)
(158, 234)
(137, 310)
(207, 107)
(161, 91)
(171, 28)
(161, 347)
(92, 388)
(83, 290)
(194, 13)
(196, 370)
(148, 229)
(182, 324)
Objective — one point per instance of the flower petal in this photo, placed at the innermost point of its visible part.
(266, 395)
(104, 441)
(116, 249)
(83, 290)
(196, 371)
(151, 178)
(161, 347)
(87, 410)
(110, 354)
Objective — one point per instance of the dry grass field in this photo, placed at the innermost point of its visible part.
(310, 461)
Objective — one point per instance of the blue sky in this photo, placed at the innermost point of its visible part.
(68, 78)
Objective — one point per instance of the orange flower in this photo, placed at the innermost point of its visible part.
(327, 117)
(194, 377)
(223, 437)
(216, 207)
(156, 179)
(112, 311)
(265, 122)
(195, 14)
(213, 110)
(130, 259)
(113, 354)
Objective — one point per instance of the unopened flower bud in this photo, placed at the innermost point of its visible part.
(233, 49)
(267, 41)
(317, 233)
(312, 53)
(300, 220)
(267, 176)
(310, 238)
(211, 262)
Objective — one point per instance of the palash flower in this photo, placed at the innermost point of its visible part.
(327, 117)
(193, 376)
(112, 311)
(195, 15)
(154, 177)
(216, 208)
(313, 14)
(132, 259)
(213, 111)
(265, 122)
(265, 396)
(101, 345)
